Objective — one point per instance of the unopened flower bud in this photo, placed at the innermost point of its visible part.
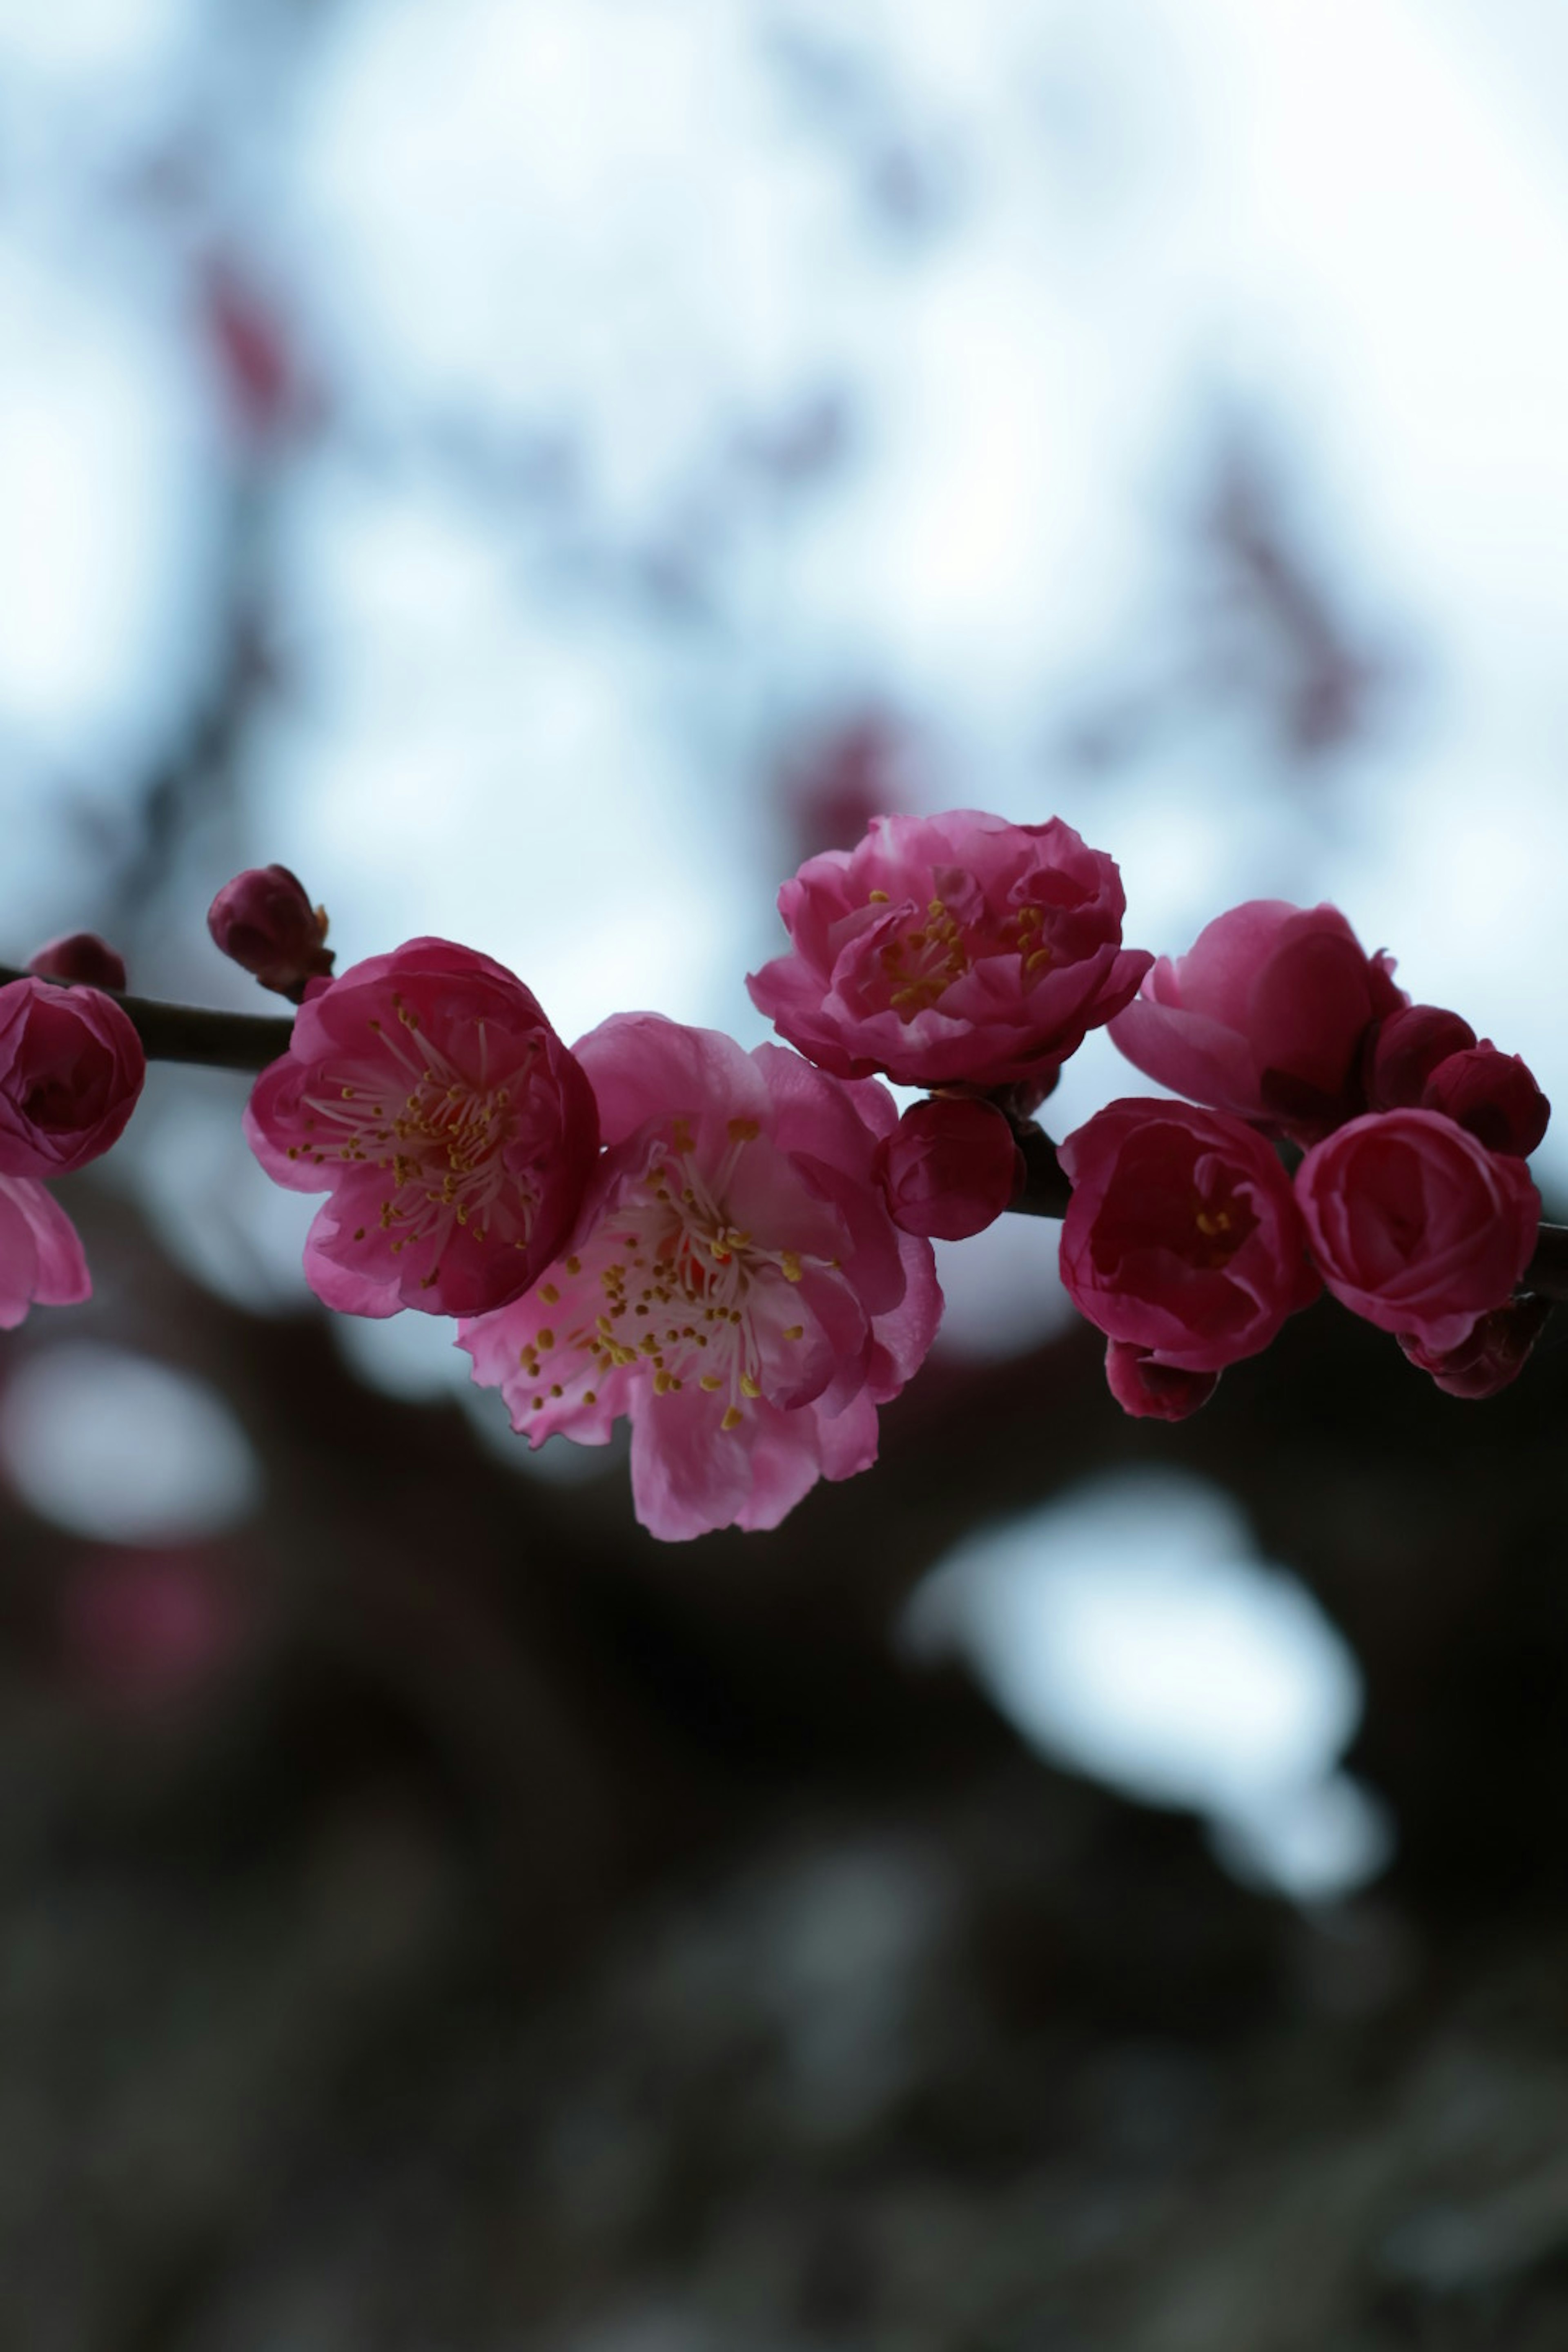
(1491, 1095)
(81, 956)
(1404, 1051)
(950, 1168)
(263, 921)
(1494, 1354)
(1153, 1392)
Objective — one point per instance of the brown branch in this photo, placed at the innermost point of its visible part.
(249, 1041)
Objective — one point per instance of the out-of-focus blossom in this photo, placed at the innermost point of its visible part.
(1492, 1357)
(951, 1167)
(79, 956)
(1182, 1236)
(735, 1286)
(1265, 1016)
(1150, 1390)
(72, 1068)
(950, 950)
(250, 344)
(41, 1260)
(140, 1627)
(1415, 1225)
(263, 922)
(428, 1093)
(1404, 1051)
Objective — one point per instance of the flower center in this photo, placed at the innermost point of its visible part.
(929, 953)
(443, 1144)
(680, 1283)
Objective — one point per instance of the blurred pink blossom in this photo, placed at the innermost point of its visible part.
(41, 1260)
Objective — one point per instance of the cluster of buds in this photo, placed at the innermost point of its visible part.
(733, 1251)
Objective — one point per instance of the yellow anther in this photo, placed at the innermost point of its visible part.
(546, 1337)
(744, 1131)
(794, 1331)
(710, 1381)
(589, 1397)
(549, 1295)
(732, 1418)
(877, 898)
(789, 1266)
(749, 1387)
(574, 1265)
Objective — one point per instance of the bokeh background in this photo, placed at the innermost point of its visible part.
(540, 468)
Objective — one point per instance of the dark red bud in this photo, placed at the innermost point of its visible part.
(1153, 1392)
(79, 956)
(1404, 1051)
(263, 921)
(1494, 1354)
(1494, 1095)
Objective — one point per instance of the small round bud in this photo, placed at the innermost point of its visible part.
(263, 921)
(81, 956)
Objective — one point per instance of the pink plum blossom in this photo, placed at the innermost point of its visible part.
(1182, 1237)
(1150, 1390)
(1415, 1225)
(263, 922)
(41, 1261)
(950, 950)
(735, 1285)
(1265, 1016)
(72, 1068)
(428, 1093)
(950, 1166)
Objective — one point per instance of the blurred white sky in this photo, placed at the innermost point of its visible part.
(646, 231)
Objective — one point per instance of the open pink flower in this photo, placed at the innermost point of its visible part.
(1265, 1016)
(950, 1166)
(950, 950)
(41, 1261)
(428, 1093)
(735, 1283)
(1415, 1224)
(72, 1068)
(1182, 1237)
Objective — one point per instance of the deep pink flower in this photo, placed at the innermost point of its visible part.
(1151, 1390)
(428, 1093)
(71, 1068)
(1416, 1225)
(1265, 1016)
(1493, 1356)
(41, 1261)
(950, 1166)
(949, 950)
(1182, 1236)
(263, 922)
(79, 955)
(1404, 1051)
(735, 1283)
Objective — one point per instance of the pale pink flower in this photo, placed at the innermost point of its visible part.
(428, 1093)
(41, 1261)
(72, 1070)
(1267, 1016)
(950, 950)
(735, 1283)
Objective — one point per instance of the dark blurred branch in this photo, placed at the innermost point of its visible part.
(191, 1033)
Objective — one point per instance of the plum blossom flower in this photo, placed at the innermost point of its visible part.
(1265, 1016)
(735, 1283)
(263, 922)
(1182, 1237)
(41, 1260)
(950, 1166)
(950, 950)
(72, 1068)
(428, 1093)
(1415, 1225)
